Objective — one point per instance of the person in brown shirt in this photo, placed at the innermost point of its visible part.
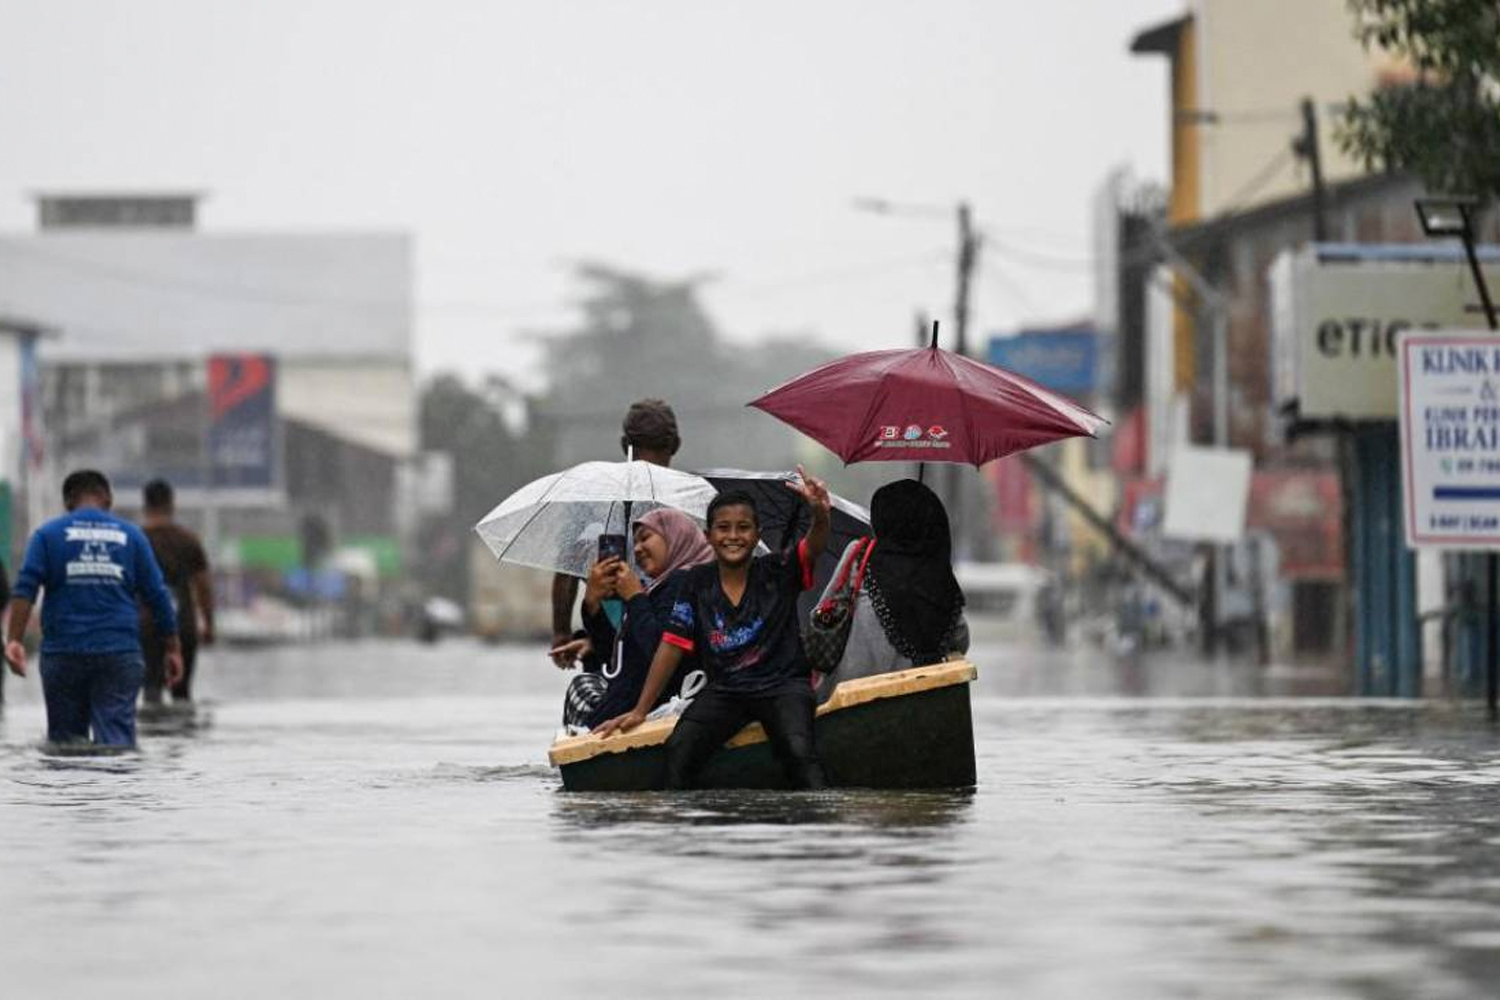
(184, 566)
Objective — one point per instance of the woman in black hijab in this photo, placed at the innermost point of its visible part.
(909, 611)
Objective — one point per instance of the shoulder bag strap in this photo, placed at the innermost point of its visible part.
(859, 578)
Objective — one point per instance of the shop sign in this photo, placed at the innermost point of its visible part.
(1303, 510)
(1450, 438)
(1207, 489)
(1337, 316)
(1064, 361)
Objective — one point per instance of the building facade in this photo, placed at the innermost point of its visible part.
(141, 300)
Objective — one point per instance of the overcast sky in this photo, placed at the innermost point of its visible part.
(512, 138)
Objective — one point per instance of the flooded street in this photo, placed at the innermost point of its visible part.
(379, 819)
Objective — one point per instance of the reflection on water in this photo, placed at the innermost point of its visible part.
(178, 719)
(855, 808)
(382, 818)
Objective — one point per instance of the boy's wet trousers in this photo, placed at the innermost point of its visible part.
(716, 715)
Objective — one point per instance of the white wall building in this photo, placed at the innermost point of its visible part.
(140, 300)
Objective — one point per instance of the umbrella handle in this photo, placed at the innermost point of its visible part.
(611, 669)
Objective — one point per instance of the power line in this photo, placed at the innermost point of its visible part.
(1034, 258)
(1238, 202)
(1265, 115)
(1010, 286)
(839, 275)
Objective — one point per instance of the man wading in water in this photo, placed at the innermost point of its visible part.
(93, 567)
(184, 565)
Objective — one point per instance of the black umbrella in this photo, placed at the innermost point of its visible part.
(784, 516)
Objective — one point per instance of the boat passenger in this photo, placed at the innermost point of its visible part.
(666, 542)
(649, 432)
(909, 610)
(739, 615)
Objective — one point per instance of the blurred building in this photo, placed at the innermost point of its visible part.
(141, 300)
(21, 447)
(1321, 569)
(1238, 73)
(1036, 526)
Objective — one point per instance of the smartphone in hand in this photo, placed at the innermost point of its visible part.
(611, 545)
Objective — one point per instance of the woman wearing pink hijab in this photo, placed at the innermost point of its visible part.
(666, 541)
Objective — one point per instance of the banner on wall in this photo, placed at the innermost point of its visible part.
(243, 450)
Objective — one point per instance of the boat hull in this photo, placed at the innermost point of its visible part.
(913, 729)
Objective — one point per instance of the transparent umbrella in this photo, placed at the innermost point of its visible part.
(555, 522)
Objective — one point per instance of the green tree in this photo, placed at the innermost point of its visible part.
(1443, 124)
(489, 462)
(642, 337)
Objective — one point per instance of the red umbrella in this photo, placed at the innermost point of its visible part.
(924, 404)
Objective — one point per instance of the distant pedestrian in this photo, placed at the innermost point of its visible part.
(92, 567)
(184, 567)
(649, 433)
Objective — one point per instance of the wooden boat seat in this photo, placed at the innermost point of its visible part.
(860, 691)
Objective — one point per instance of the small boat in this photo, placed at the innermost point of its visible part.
(907, 729)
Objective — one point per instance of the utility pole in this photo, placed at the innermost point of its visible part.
(1491, 560)
(968, 258)
(1306, 146)
(1213, 308)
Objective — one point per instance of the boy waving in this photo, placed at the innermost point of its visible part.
(739, 615)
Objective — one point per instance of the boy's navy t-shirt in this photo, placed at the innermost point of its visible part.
(756, 647)
(91, 567)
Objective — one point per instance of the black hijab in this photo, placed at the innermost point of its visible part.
(910, 574)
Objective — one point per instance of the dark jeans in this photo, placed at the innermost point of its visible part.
(156, 667)
(92, 690)
(715, 716)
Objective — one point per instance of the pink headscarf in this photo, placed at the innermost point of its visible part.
(686, 545)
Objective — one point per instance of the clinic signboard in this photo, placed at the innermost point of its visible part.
(1338, 311)
(1450, 438)
(242, 440)
(1063, 360)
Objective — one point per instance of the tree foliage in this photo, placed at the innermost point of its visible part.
(642, 337)
(1443, 122)
(489, 463)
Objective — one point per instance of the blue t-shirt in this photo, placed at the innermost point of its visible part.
(91, 567)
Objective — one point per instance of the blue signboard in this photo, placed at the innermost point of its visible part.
(242, 442)
(1062, 360)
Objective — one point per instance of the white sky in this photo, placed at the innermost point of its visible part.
(674, 137)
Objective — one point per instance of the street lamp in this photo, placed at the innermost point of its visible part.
(1454, 216)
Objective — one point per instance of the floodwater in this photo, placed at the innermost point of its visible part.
(378, 820)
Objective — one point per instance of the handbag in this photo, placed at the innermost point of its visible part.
(827, 631)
